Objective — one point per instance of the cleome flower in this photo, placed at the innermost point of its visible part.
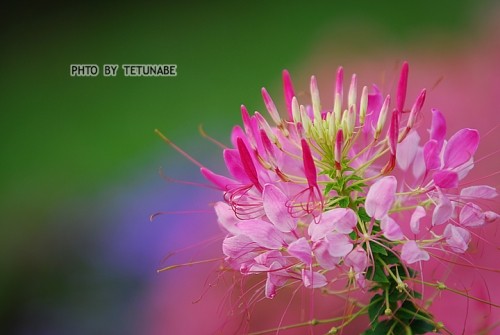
(353, 193)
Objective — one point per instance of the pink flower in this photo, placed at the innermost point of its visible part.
(318, 196)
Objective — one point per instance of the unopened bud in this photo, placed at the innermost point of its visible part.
(382, 116)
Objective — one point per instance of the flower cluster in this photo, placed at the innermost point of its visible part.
(350, 193)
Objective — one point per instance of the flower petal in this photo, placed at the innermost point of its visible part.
(407, 150)
(313, 279)
(357, 259)
(471, 215)
(443, 210)
(322, 255)
(481, 191)
(262, 232)
(431, 155)
(301, 249)
(415, 219)
(339, 245)
(226, 218)
(380, 197)
(457, 238)
(276, 210)
(438, 128)
(461, 147)
(391, 229)
(445, 179)
(411, 253)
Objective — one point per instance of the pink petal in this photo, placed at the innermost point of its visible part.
(247, 162)
(339, 245)
(443, 210)
(415, 110)
(226, 218)
(262, 232)
(471, 215)
(481, 191)
(221, 182)
(301, 249)
(357, 259)
(490, 216)
(323, 257)
(457, 238)
(345, 221)
(391, 229)
(342, 220)
(238, 246)
(402, 84)
(289, 93)
(431, 155)
(233, 163)
(380, 197)
(276, 210)
(415, 219)
(309, 166)
(407, 150)
(375, 100)
(313, 279)
(438, 128)
(445, 179)
(411, 253)
(461, 147)
(270, 106)
(419, 163)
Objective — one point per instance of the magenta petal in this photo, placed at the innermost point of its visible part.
(247, 163)
(391, 229)
(313, 279)
(438, 128)
(431, 155)
(234, 165)
(457, 238)
(445, 179)
(380, 197)
(339, 245)
(263, 233)
(309, 166)
(471, 215)
(461, 147)
(443, 210)
(276, 210)
(221, 182)
(415, 219)
(411, 253)
(357, 259)
(289, 93)
(301, 249)
(481, 191)
(402, 85)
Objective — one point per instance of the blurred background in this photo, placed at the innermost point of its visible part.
(79, 168)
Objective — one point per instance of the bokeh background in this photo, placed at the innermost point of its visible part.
(79, 167)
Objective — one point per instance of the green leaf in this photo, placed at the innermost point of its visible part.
(375, 309)
(363, 215)
(379, 276)
(382, 328)
(344, 202)
(421, 327)
(378, 249)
